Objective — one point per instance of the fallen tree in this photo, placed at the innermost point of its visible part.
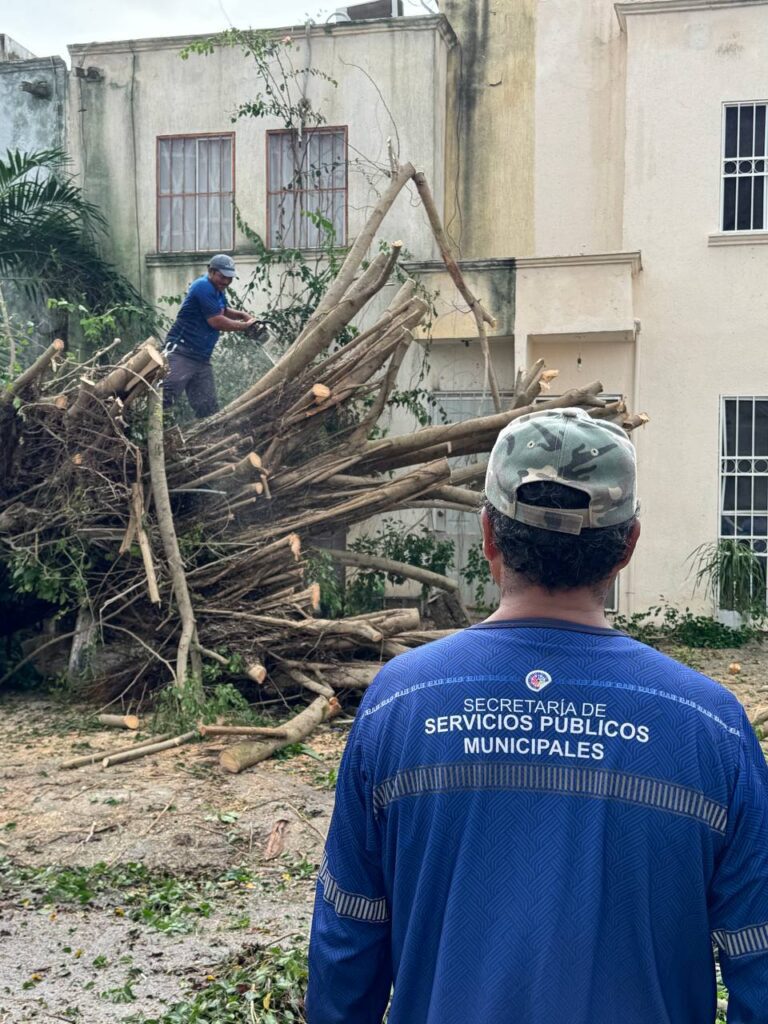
(166, 548)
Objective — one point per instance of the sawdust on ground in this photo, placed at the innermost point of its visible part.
(177, 813)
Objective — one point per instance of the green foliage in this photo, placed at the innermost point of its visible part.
(732, 575)
(664, 624)
(419, 547)
(327, 779)
(162, 902)
(420, 402)
(49, 235)
(477, 571)
(295, 750)
(321, 570)
(123, 994)
(16, 335)
(181, 710)
(262, 986)
(55, 573)
(364, 592)
(99, 325)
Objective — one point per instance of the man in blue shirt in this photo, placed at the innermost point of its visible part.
(538, 819)
(204, 314)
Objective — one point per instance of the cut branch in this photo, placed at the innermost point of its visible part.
(389, 565)
(244, 755)
(167, 529)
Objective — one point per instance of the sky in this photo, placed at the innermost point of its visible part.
(46, 26)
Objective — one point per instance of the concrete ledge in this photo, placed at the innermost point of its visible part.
(576, 337)
(16, 67)
(420, 23)
(632, 258)
(438, 267)
(193, 259)
(673, 6)
(738, 238)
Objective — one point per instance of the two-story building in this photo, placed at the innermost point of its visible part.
(601, 170)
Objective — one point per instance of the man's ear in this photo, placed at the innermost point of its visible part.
(490, 550)
(634, 536)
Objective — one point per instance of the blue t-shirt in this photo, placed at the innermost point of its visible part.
(543, 823)
(191, 334)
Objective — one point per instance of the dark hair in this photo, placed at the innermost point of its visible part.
(558, 561)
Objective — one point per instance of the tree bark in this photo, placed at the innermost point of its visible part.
(389, 565)
(244, 755)
(481, 315)
(156, 450)
(150, 748)
(36, 370)
(120, 721)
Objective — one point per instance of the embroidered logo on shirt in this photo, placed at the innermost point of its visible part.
(538, 680)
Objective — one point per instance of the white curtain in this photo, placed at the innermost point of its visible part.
(195, 194)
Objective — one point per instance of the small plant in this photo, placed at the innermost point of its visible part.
(261, 986)
(665, 625)
(321, 570)
(163, 902)
(477, 570)
(732, 575)
(326, 780)
(420, 548)
(181, 710)
(123, 994)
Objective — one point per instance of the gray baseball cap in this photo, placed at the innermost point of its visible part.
(223, 263)
(564, 446)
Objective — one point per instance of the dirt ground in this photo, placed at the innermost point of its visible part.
(127, 945)
(175, 814)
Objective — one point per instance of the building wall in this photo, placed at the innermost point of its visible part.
(703, 307)
(29, 122)
(10, 50)
(579, 136)
(491, 128)
(146, 90)
(629, 279)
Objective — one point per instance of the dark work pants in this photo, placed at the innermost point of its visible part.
(194, 378)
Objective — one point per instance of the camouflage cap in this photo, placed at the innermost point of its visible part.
(564, 446)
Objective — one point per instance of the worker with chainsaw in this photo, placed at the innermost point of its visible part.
(204, 314)
(538, 818)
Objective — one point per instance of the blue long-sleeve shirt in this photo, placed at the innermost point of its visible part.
(544, 823)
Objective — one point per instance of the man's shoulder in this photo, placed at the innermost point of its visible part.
(654, 670)
(201, 286)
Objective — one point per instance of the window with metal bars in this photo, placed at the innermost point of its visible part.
(306, 186)
(744, 167)
(744, 472)
(195, 193)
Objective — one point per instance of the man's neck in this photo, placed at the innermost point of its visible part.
(580, 605)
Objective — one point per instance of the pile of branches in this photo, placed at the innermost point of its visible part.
(171, 547)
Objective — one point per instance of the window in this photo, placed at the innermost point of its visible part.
(306, 176)
(744, 167)
(195, 193)
(744, 472)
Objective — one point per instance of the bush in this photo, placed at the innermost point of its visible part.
(664, 624)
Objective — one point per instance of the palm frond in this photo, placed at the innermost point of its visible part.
(49, 234)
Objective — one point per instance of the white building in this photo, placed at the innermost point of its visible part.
(600, 166)
(646, 258)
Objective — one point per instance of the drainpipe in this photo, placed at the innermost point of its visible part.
(629, 589)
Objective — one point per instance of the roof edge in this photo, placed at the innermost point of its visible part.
(627, 7)
(419, 23)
